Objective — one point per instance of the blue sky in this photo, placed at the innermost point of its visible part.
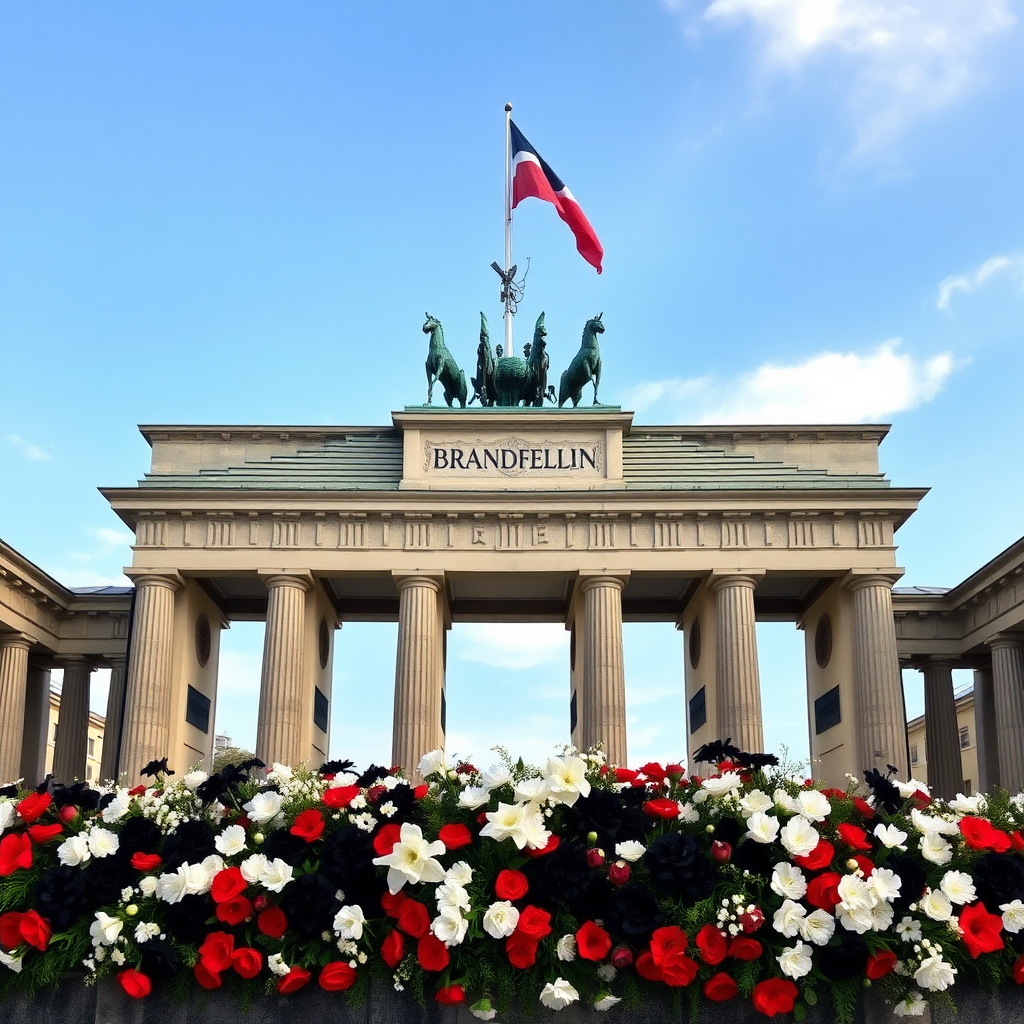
(811, 210)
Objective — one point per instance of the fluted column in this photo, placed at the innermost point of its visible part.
(146, 732)
(986, 739)
(942, 734)
(737, 678)
(881, 716)
(279, 729)
(604, 674)
(13, 681)
(416, 728)
(112, 723)
(72, 746)
(1008, 690)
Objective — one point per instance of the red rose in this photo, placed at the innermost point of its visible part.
(511, 885)
(534, 923)
(34, 929)
(521, 950)
(667, 810)
(743, 948)
(618, 873)
(863, 806)
(653, 771)
(595, 857)
(10, 929)
(864, 864)
(145, 861)
(625, 775)
(980, 930)
(832, 793)
(421, 791)
(15, 852)
(712, 945)
(549, 847)
(451, 995)
(622, 957)
(137, 790)
(667, 940)
(392, 902)
(385, 839)
(293, 980)
(721, 851)
(647, 968)
(135, 983)
(982, 835)
(227, 884)
(206, 977)
(414, 919)
(920, 799)
(776, 995)
(392, 949)
(68, 813)
(678, 970)
(675, 771)
(854, 836)
(215, 952)
(1017, 971)
(260, 902)
(309, 825)
(880, 964)
(455, 837)
(44, 833)
(247, 962)
(432, 953)
(820, 857)
(1017, 841)
(374, 793)
(336, 977)
(751, 920)
(337, 797)
(234, 911)
(720, 987)
(34, 805)
(592, 941)
(823, 891)
(272, 922)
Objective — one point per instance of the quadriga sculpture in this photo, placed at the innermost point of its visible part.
(483, 382)
(585, 365)
(518, 380)
(442, 367)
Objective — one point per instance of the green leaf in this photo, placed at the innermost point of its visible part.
(799, 1011)
(810, 996)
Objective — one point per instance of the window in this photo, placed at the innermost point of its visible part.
(913, 753)
(88, 773)
(965, 737)
(967, 787)
(92, 746)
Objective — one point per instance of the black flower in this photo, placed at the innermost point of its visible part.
(562, 874)
(633, 912)
(78, 795)
(335, 767)
(745, 760)
(613, 818)
(106, 877)
(310, 904)
(716, 751)
(60, 896)
(912, 881)
(886, 792)
(159, 959)
(291, 849)
(847, 959)
(189, 843)
(346, 860)
(998, 878)
(678, 868)
(186, 919)
(155, 767)
(372, 774)
(138, 835)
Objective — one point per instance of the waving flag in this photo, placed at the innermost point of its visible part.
(531, 176)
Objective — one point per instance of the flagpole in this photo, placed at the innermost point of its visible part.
(508, 229)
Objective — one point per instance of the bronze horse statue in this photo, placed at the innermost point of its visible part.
(483, 382)
(523, 381)
(585, 366)
(441, 366)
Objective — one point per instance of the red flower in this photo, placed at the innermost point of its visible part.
(920, 799)
(44, 833)
(592, 941)
(206, 977)
(272, 922)
(720, 987)
(880, 964)
(336, 977)
(521, 950)
(549, 847)
(776, 995)
(145, 861)
(338, 797)
(135, 983)
(309, 825)
(534, 923)
(743, 948)
(29, 927)
(982, 835)
(511, 885)
(663, 808)
(675, 771)
(625, 775)
(10, 929)
(647, 968)
(980, 930)
(215, 952)
(712, 945)
(432, 953)
(721, 851)
(392, 902)
(247, 962)
(667, 940)
(653, 771)
(455, 837)
(823, 891)
(1017, 841)
(1017, 971)
(137, 790)
(392, 949)
(384, 841)
(451, 995)
(863, 806)
(751, 920)
(864, 864)
(678, 970)
(234, 911)
(832, 793)
(595, 857)
(421, 791)
(854, 837)
(293, 980)
(820, 857)
(34, 805)
(414, 919)
(227, 884)
(15, 852)
(618, 873)
(622, 957)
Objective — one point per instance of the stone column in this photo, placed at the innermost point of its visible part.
(737, 680)
(986, 739)
(942, 735)
(112, 723)
(604, 674)
(881, 715)
(279, 729)
(13, 682)
(34, 738)
(72, 746)
(416, 728)
(1008, 689)
(146, 731)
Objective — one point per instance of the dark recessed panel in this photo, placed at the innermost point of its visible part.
(320, 709)
(827, 710)
(197, 710)
(697, 709)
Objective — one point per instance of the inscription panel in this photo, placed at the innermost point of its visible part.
(514, 457)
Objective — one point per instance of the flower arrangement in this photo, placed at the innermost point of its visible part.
(578, 882)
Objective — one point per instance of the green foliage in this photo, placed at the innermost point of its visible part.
(845, 997)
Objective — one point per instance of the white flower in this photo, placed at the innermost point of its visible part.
(8, 817)
(910, 787)
(366, 821)
(813, 805)
(565, 950)
(795, 961)
(606, 1002)
(146, 930)
(798, 836)
(117, 956)
(483, 1010)
(388, 809)
(495, 776)
(567, 779)
(929, 824)
(279, 772)
(501, 919)
(196, 878)
(859, 921)
(784, 802)
(276, 875)
(13, 963)
(148, 885)
(884, 884)
(788, 881)
(171, 887)
(450, 926)
(231, 841)
(1013, 916)
(854, 894)
(891, 837)
(531, 791)
(881, 916)
(473, 797)
(788, 918)
(969, 804)
(959, 887)
(117, 808)
(558, 995)
(263, 807)
(105, 929)
(911, 1005)
(451, 896)
(762, 827)
(936, 905)
(277, 965)
(630, 850)
(460, 873)
(818, 927)
(412, 859)
(935, 849)
(193, 780)
(687, 812)
(935, 974)
(74, 851)
(252, 867)
(909, 930)
(724, 783)
(509, 821)
(348, 922)
(433, 763)
(606, 972)
(755, 800)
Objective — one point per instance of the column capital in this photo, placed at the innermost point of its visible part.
(857, 579)
(67, 661)
(932, 661)
(588, 582)
(116, 660)
(748, 579)
(170, 579)
(302, 579)
(403, 581)
(17, 640)
(1005, 640)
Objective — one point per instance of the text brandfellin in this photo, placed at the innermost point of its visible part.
(519, 460)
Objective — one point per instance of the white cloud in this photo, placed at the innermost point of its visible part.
(829, 388)
(1014, 265)
(906, 59)
(513, 646)
(27, 449)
